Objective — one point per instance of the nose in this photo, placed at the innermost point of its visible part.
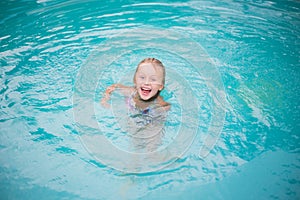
(147, 81)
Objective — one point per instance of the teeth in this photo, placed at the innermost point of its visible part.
(146, 89)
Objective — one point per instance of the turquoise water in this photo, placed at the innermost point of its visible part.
(232, 79)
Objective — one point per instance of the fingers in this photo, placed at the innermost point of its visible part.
(110, 89)
(106, 96)
(104, 102)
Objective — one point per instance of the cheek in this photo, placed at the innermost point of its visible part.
(136, 81)
(159, 87)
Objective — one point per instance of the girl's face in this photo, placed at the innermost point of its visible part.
(148, 81)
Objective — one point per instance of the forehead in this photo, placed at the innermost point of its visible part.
(150, 69)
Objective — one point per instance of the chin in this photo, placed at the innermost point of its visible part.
(145, 98)
(149, 97)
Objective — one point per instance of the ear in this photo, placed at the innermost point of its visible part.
(161, 88)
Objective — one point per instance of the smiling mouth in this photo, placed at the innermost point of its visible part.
(145, 91)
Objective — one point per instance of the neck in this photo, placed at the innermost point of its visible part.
(141, 103)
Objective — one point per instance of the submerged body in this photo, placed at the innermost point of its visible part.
(146, 108)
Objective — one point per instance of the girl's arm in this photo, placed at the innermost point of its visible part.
(125, 90)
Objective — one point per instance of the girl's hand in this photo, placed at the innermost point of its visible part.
(106, 97)
(110, 89)
(104, 102)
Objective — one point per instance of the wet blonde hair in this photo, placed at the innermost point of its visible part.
(155, 63)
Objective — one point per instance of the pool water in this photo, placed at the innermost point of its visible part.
(232, 79)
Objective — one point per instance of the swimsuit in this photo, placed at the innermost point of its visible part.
(143, 117)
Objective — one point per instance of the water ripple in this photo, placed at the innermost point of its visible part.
(255, 46)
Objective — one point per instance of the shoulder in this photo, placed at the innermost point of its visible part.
(163, 103)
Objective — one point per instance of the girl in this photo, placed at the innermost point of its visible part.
(147, 109)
